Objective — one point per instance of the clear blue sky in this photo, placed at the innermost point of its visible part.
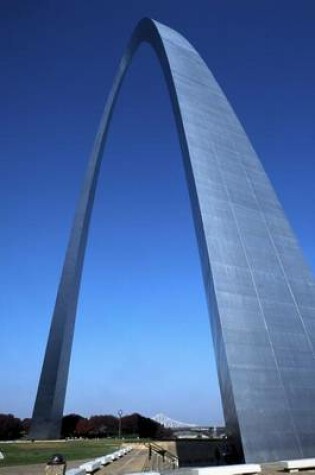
(142, 340)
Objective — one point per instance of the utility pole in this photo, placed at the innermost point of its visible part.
(120, 413)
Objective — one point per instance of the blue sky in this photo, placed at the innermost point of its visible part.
(142, 340)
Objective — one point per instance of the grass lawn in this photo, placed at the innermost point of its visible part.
(40, 452)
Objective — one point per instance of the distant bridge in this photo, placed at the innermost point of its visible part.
(169, 423)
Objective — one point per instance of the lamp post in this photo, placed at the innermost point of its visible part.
(120, 413)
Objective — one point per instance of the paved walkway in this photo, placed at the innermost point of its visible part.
(132, 462)
(135, 461)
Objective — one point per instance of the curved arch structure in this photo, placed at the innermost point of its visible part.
(259, 289)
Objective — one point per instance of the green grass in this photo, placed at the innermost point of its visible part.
(40, 452)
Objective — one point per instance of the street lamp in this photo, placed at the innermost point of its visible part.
(120, 413)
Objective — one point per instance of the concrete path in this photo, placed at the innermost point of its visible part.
(132, 462)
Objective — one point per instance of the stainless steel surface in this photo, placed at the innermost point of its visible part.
(260, 291)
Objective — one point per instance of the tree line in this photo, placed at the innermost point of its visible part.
(75, 425)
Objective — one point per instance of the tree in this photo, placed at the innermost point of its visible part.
(97, 426)
(82, 427)
(10, 427)
(144, 427)
(69, 424)
(26, 425)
